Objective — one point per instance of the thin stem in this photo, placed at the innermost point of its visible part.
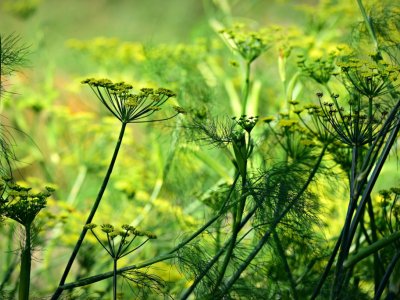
(215, 258)
(246, 88)
(376, 171)
(106, 275)
(367, 251)
(386, 277)
(238, 214)
(377, 273)
(336, 284)
(135, 248)
(368, 24)
(115, 280)
(276, 222)
(210, 222)
(285, 263)
(92, 212)
(105, 248)
(24, 277)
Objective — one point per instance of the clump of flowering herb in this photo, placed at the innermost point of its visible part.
(115, 250)
(131, 108)
(369, 78)
(247, 123)
(391, 208)
(12, 56)
(267, 119)
(319, 123)
(354, 127)
(320, 69)
(251, 44)
(292, 137)
(18, 204)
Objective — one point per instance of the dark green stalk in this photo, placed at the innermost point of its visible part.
(92, 213)
(307, 269)
(9, 272)
(115, 279)
(368, 24)
(367, 251)
(350, 210)
(24, 276)
(106, 275)
(351, 269)
(285, 263)
(273, 226)
(210, 222)
(377, 169)
(216, 257)
(377, 273)
(165, 256)
(237, 215)
(246, 88)
(386, 277)
(327, 268)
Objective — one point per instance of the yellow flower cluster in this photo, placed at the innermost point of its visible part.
(267, 119)
(251, 44)
(180, 110)
(369, 78)
(287, 123)
(320, 69)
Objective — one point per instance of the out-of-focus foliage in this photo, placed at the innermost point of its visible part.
(168, 178)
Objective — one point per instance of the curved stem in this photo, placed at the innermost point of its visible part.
(92, 212)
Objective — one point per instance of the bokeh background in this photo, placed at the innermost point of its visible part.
(162, 178)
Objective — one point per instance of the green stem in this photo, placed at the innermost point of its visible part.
(377, 273)
(238, 214)
(368, 24)
(327, 268)
(285, 263)
(216, 257)
(24, 277)
(367, 251)
(246, 88)
(115, 280)
(265, 238)
(336, 284)
(385, 279)
(106, 275)
(92, 212)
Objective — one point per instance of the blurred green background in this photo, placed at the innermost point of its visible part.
(161, 177)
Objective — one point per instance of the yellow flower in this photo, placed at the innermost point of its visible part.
(90, 226)
(127, 107)
(267, 119)
(150, 235)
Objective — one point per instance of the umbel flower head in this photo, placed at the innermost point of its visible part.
(131, 108)
(246, 123)
(20, 205)
(353, 128)
(252, 44)
(127, 231)
(320, 69)
(367, 77)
